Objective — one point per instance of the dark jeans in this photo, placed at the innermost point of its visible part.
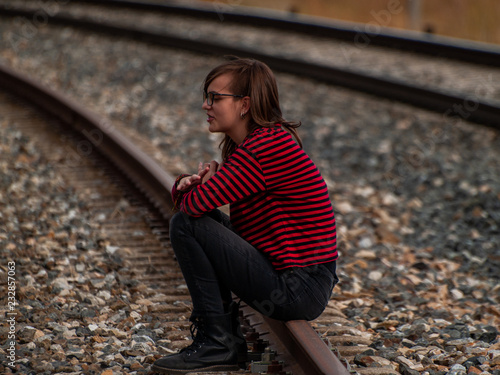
(215, 261)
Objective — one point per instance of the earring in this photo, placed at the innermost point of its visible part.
(242, 114)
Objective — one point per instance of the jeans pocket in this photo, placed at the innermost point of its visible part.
(320, 288)
(308, 292)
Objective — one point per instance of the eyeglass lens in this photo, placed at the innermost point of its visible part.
(209, 97)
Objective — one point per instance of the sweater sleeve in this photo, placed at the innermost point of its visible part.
(176, 194)
(239, 177)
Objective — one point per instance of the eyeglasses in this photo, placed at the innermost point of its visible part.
(209, 96)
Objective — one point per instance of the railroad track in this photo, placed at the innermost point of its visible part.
(466, 105)
(298, 345)
(377, 34)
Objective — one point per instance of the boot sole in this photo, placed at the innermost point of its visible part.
(242, 361)
(172, 371)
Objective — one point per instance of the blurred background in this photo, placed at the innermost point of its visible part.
(477, 20)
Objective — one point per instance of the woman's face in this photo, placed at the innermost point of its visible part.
(224, 115)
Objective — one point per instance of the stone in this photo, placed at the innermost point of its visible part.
(372, 361)
(473, 370)
(495, 361)
(487, 334)
(457, 370)
(409, 364)
(60, 284)
(104, 294)
(75, 352)
(136, 366)
(29, 333)
(143, 338)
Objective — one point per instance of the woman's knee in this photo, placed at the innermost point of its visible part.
(177, 223)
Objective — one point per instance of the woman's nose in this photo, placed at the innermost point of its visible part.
(205, 105)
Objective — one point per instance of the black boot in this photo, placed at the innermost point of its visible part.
(213, 348)
(241, 344)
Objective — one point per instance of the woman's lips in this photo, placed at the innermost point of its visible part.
(210, 118)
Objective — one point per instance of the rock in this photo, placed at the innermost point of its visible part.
(343, 207)
(142, 339)
(60, 284)
(119, 359)
(120, 316)
(75, 352)
(408, 343)
(366, 242)
(404, 370)
(486, 333)
(410, 365)
(375, 275)
(473, 370)
(495, 361)
(388, 323)
(457, 370)
(386, 236)
(104, 294)
(144, 302)
(142, 347)
(29, 333)
(45, 366)
(119, 333)
(80, 267)
(474, 361)
(372, 361)
(136, 366)
(135, 315)
(457, 294)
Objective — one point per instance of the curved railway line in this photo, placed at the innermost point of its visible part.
(468, 105)
(152, 181)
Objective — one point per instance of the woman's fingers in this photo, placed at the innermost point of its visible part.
(205, 171)
(189, 181)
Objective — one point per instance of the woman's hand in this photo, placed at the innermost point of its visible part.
(205, 171)
(213, 167)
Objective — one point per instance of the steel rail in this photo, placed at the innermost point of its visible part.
(451, 107)
(143, 171)
(310, 353)
(361, 34)
(317, 359)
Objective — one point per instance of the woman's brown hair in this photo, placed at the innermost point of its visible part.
(254, 79)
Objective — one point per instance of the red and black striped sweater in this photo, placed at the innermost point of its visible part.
(278, 200)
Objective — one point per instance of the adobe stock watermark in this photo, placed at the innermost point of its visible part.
(365, 34)
(11, 314)
(28, 28)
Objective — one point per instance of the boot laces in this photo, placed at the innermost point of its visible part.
(197, 335)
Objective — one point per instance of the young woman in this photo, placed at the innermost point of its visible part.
(277, 250)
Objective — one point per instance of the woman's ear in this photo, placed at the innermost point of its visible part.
(245, 104)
